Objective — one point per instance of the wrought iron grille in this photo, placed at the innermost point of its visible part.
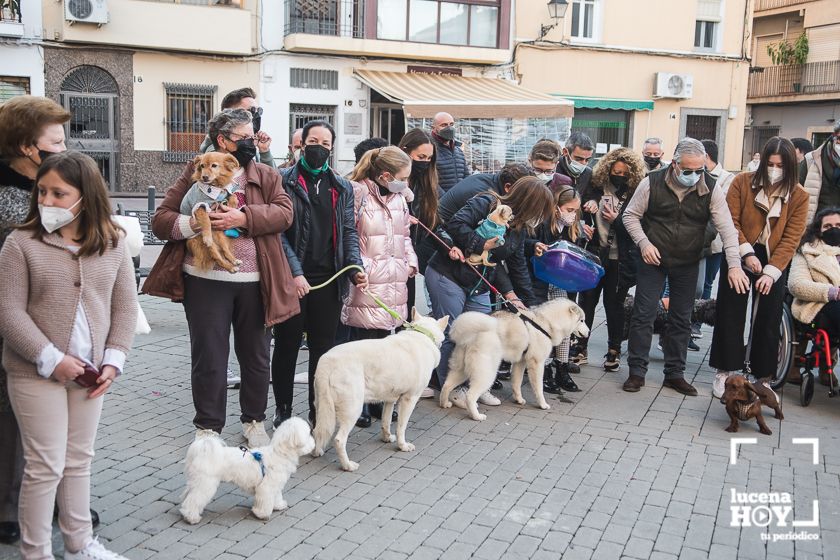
(188, 109)
(311, 78)
(795, 79)
(701, 127)
(339, 18)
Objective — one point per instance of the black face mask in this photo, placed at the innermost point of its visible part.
(43, 155)
(419, 168)
(619, 181)
(447, 133)
(315, 155)
(832, 237)
(652, 161)
(245, 151)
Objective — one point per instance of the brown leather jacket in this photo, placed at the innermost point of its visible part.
(269, 213)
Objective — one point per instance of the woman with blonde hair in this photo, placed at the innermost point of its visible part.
(454, 288)
(381, 196)
(614, 180)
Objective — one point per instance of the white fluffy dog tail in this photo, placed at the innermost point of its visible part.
(470, 325)
(324, 409)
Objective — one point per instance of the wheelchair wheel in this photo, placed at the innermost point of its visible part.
(806, 389)
(786, 341)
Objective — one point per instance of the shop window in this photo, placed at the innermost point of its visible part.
(188, 109)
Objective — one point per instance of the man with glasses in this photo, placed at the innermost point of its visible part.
(819, 173)
(246, 98)
(667, 218)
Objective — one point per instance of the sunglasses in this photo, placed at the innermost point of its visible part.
(256, 111)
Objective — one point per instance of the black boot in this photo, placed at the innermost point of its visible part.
(563, 379)
(364, 419)
(281, 414)
(549, 381)
(375, 410)
(573, 367)
(9, 532)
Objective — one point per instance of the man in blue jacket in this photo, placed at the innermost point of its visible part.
(451, 164)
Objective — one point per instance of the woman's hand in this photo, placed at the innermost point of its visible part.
(539, 249)
(764, 284)
(68, 369)
(511, 297)
(491, 243)
(301, 286)
(738, 280)
(753, 264)
(228, 218)
(591, 206)
(412, 272)
(263, 141)
(609, 214)
(588, 231)
(105, 380)
(412, 220)
(360, 279)
(456, 254)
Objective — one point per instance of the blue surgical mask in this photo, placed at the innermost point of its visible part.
(688, 180)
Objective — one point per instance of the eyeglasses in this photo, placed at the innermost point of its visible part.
(687, 172)
(243, 137)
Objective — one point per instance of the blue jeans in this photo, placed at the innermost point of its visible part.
(448, 298)
(712, 268)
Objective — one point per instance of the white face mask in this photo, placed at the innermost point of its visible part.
(576, 167)
(397, 187)
(546, 176)
(775, 174)
(567, 218)
(54, 218)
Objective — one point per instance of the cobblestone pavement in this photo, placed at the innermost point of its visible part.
(610, 475)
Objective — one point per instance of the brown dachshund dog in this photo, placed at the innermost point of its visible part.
(213, 247)
(743, 401)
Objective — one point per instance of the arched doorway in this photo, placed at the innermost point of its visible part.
(91, 95)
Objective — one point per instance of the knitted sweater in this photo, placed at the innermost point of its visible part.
(41, 285)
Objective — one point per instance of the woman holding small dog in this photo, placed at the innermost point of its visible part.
(321, 240)
(564, 225)
(769, 209)
(815, 278)
(256, 296)
(67, 316)
(380, 185)
(454, 288)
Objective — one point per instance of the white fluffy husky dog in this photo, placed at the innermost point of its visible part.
(262, 472)
(392, 369)
(483, 341)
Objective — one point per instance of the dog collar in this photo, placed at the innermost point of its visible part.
(421, 330)
(257, 457)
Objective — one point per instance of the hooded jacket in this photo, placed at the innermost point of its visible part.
(387, 255)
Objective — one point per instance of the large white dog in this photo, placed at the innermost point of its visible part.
(483, 341)
(262, 472)
(389, 370)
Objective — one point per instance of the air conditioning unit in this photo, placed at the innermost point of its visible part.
(86, 11)
(674, 86)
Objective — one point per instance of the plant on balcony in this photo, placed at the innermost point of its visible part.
(793, 55)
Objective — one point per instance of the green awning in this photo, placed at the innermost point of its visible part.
(582, 102)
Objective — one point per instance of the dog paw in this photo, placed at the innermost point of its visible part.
(317, 452)
(351, 466)
(479, 417)
(447, 404)
(766, 431)
(280, 505)
(260, 514)
(191, 518)
(545, 406)
(518, 400)
(780, 416)
(731, 429)
(388, 438)
(406, 447)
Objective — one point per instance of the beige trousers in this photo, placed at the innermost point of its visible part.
(58, 428)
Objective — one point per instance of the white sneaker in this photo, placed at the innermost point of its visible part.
(255, 434)
(427, 393)
(233, 379)
(719, 384)
(93, 551)
(302, 377)
(487, 398)
(459, 397)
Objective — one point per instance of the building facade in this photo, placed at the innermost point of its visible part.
(793, 97)
(140, 99)
(642, 69)
(21, 55)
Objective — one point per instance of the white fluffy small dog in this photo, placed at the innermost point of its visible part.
(262, 472)
(390, 370)
(483, 341)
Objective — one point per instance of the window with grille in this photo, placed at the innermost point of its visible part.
(300, 114)
(12, 86)
(311, 78)
(702, 127)
(188, 108)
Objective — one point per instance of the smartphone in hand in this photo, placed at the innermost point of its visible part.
(88, 377)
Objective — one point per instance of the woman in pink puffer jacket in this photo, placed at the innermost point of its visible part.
(380, 181)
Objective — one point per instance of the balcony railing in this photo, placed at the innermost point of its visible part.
(233, 3)
(10, 11)
(338, 18)
(762, 5)
(795, 79)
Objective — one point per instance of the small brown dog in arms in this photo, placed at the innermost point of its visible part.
(743, 402)
(496, 226)
(213, 177)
